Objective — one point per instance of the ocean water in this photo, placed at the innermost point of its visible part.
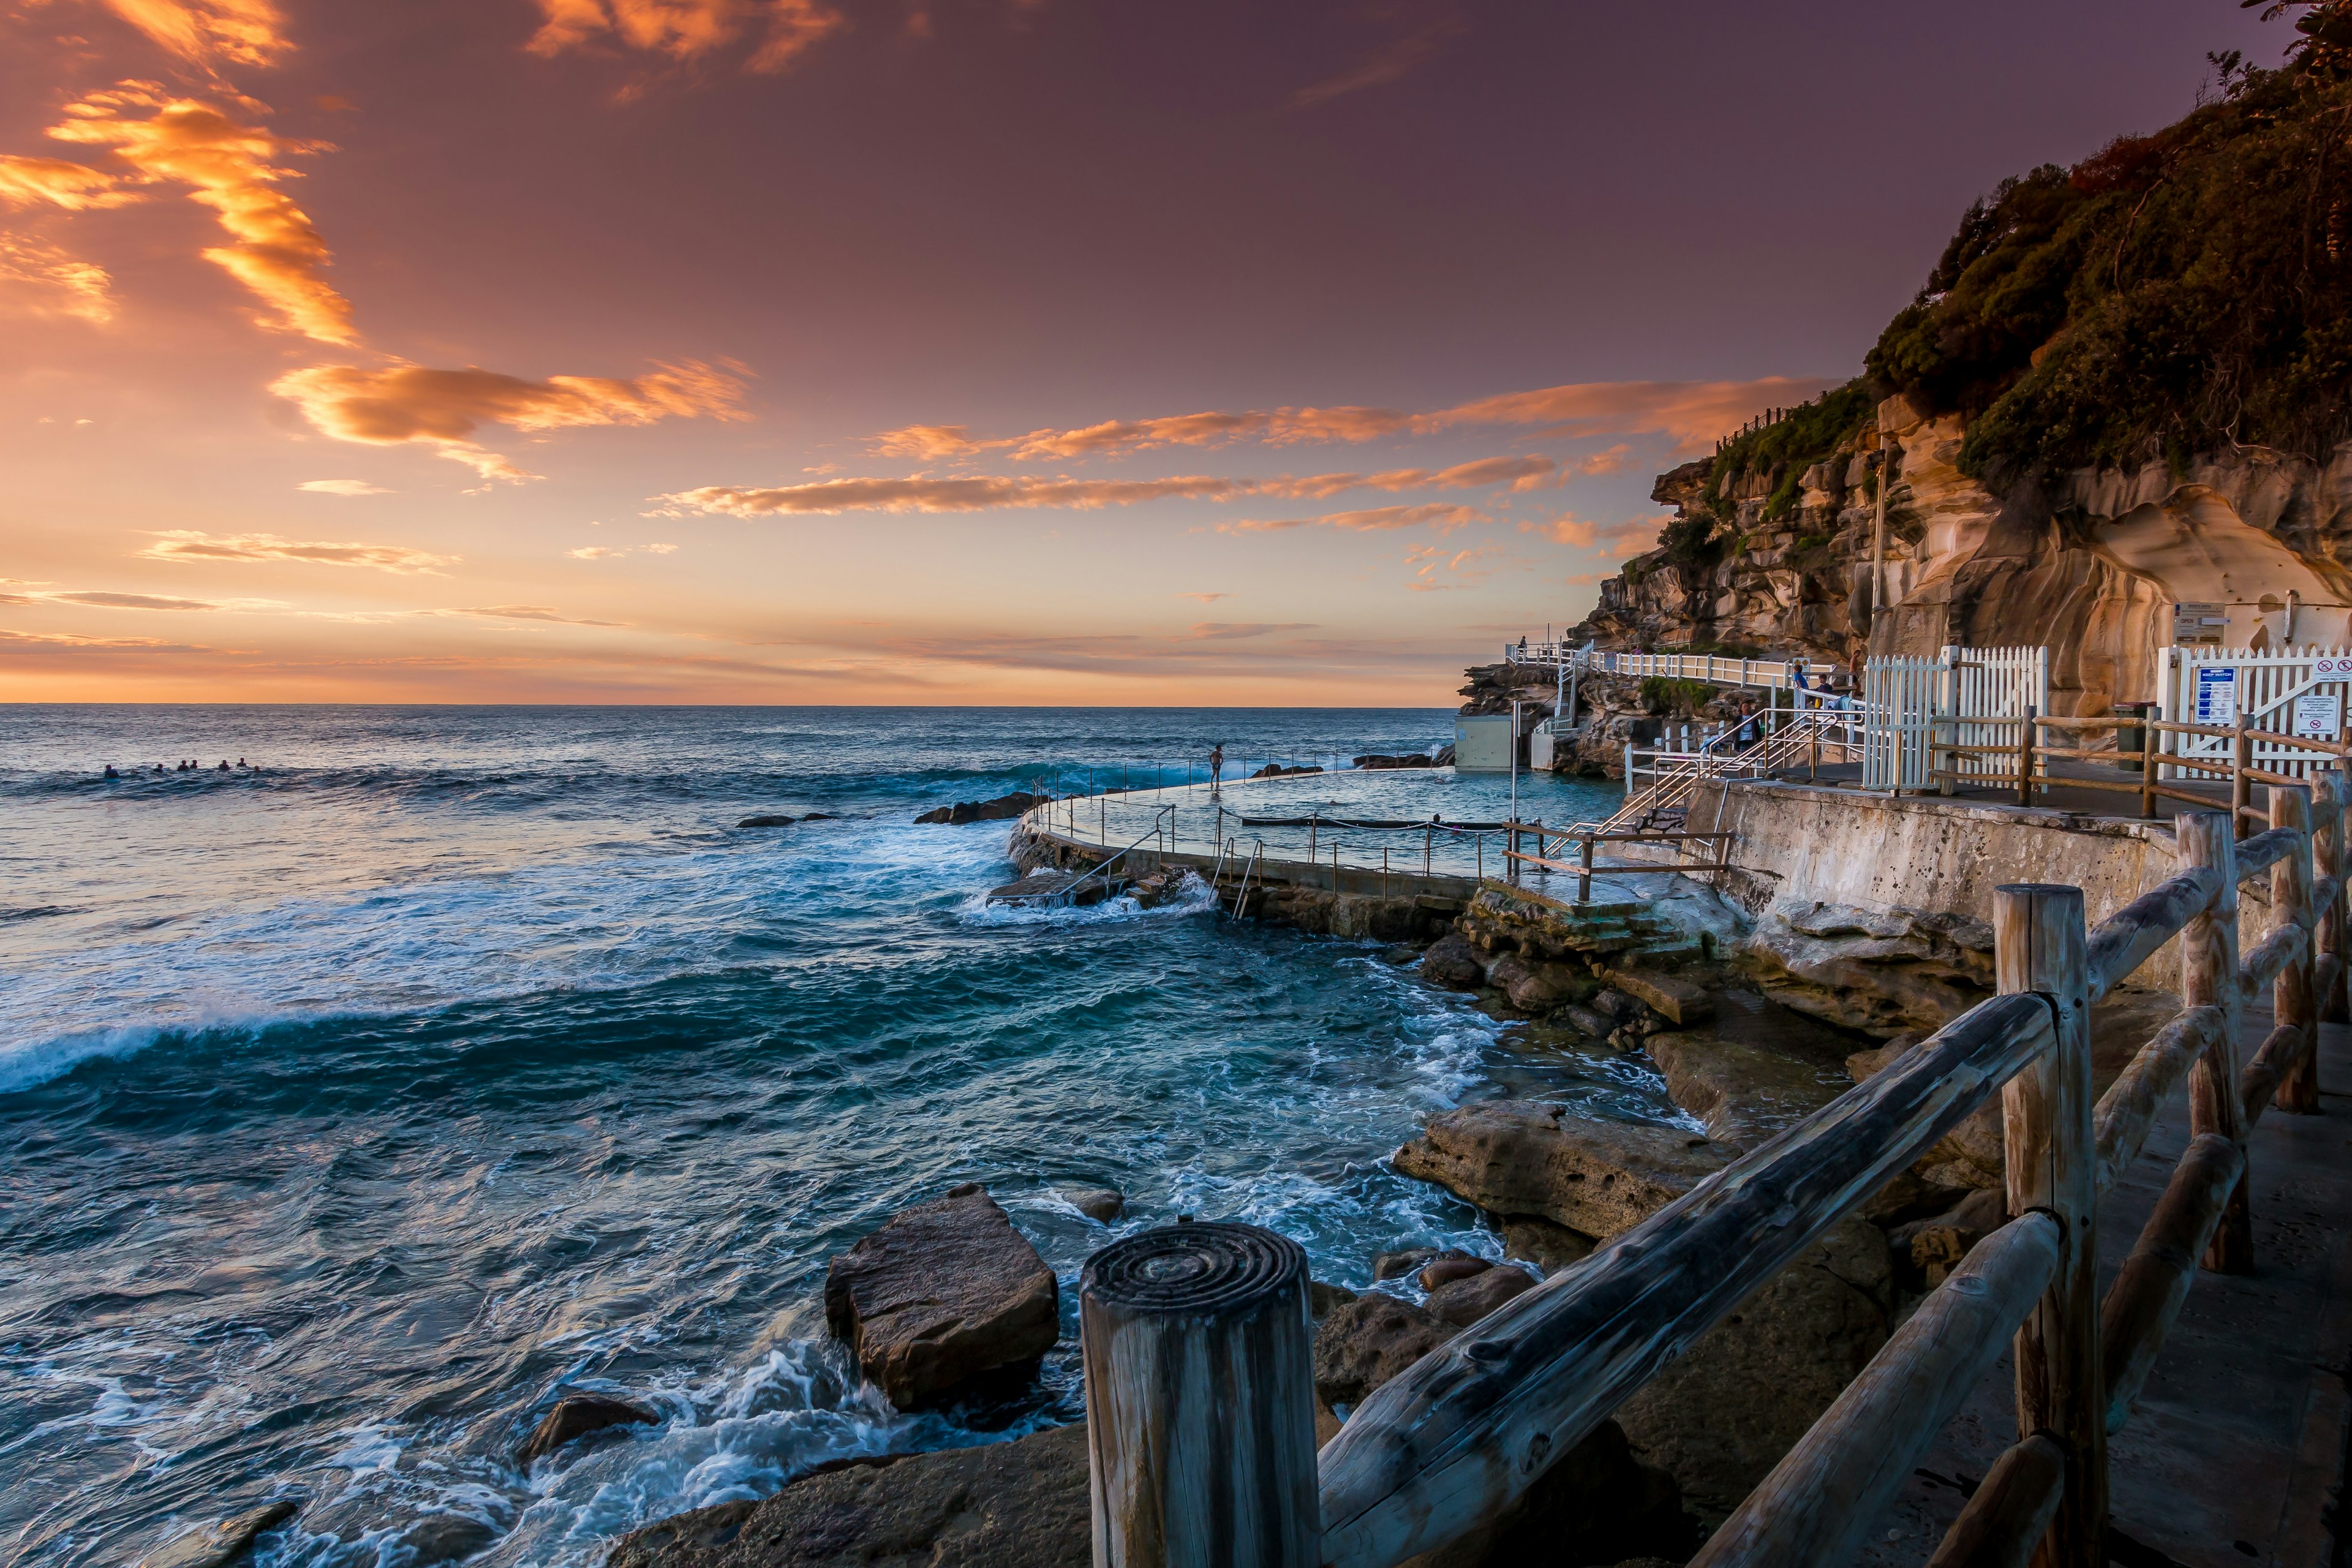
(352, 1104)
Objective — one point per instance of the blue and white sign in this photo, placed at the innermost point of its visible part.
(2216, 694)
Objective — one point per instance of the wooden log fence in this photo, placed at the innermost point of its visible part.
(1459, 1436)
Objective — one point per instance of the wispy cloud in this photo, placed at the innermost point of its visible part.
(1232, 631)
(57, 181)
(278, 253)
(390, 404)
(1393, 61)
(191, 544)
(1205, 598)
(528, 613)
(128, 601)
(782, 30)
(342, 488)
(1444, 519)
(36, 278)
(1629, 537)
(1692, 412)
(1461, 568)
(203, 32)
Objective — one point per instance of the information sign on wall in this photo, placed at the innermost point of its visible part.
(2216, 694)
(2200, 623)
(2318, 715)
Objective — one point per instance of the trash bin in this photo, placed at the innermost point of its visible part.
(2132, 737)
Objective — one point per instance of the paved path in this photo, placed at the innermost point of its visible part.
(2236, 1450)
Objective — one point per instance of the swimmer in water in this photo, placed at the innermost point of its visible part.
(110, 772)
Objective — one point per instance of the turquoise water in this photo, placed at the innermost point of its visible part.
(351, 1107)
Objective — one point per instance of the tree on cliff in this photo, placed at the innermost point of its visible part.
(2174, 293)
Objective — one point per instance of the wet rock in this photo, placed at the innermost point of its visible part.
(1021, 1504)
(1743, 1092)
(1379, 760)
(1363, 1344)
(1551, 1247)
(1595, 1177)
(576, 1415)
(947, 1290)
(1276, 770)
(1398, 954)
(1452, 962)
(1397, 1265)
(1673, 998)
(1448, 1266)
(1101, 1204)
(1617, 1005)
(1465, 1301)
(1539, 986)
(820, 817)
(1003, 808)
(1599, 1026)
(218, 1545)
(1721, 1416)
(445, 1538)
(1324, 1299)
(776, 819)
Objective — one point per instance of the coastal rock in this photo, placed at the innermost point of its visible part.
(1594, 1177)
(1549, 1247)
(218, 1545)
(1464, 1302)
(1881, 972)
(1101, 1204)
(1452, 962)
(1675, 999)
(1448, 1266)
(1934, 1246)
(1324, 1299)
(1541, 985)
(445, 1538)
(1761, 1071)
(1276, 770)
(576, 1415)
(1022, 1504)
(1600, 1503)
(1003, 808)
(1380, 760)
(1720, 1417)
(1364, 1343)
(774, 819)
(1397, 1265)
(945, 1290)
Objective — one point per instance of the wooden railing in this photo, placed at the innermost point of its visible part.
(1458, 1436)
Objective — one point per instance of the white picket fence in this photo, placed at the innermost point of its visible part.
(1963, 696)
(2291, 690)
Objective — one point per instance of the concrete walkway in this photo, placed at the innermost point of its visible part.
(2236, 1451)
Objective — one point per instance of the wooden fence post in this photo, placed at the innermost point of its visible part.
(2051, 1157)
(2025, 758)
(2209, 970)
(2292, 1002)
(1200, 1378)
(2241, 788)
(2328, 801)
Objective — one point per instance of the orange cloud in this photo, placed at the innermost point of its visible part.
(189, 544)
(827, 498)
(684, 29)
(1429, 559)
(203, 31)
(1616, 460)
(59, 181)
(1694, 413)
(279, 254)
(39, 279)
(1444, 519)
(342, 488)
(1629, 537)
(1391, 62)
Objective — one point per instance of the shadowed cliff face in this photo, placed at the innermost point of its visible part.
(2089, 565)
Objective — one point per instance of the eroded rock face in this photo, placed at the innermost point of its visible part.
(1462, 1303)
(1364, 1343)
(1594, 1177)
(1883, 972)
(946, 1290)
(1756, 1070)
(1022, 1504)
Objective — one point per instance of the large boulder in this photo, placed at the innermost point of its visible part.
(1452, 962)
(946, 1290)
(1369, 1341)
(576, 1415)
(1757, 1068)
(1463, 1303)
(1539, 985)
(1883, 972)
(1022, 1504)
(1516, 1157)
(1003, 808)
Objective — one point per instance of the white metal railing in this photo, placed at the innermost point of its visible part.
(1962, 697)
(1824, 730)
(2295, 691)
(1716, 670)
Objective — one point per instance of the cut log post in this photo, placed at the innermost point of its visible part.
(2328, 800)
(1200, 1378)
(2004, 1523)
(2053, 1163)
(2126, 1111)
(1453, 1438)
(2025, 758)
(2154, 1281)
(2131, 936)
(2209, 969)
(1820, 1501)
(2292, 1002)
(2241, 788)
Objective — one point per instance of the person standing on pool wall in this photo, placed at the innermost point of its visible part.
(1217, 768)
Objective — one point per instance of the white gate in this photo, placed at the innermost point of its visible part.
(1965, 697)
(2290, 691)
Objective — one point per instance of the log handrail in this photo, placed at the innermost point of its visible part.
(1456, 1437)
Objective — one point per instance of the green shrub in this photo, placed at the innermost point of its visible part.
(1666, 694)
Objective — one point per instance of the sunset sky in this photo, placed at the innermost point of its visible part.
(940, 350)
